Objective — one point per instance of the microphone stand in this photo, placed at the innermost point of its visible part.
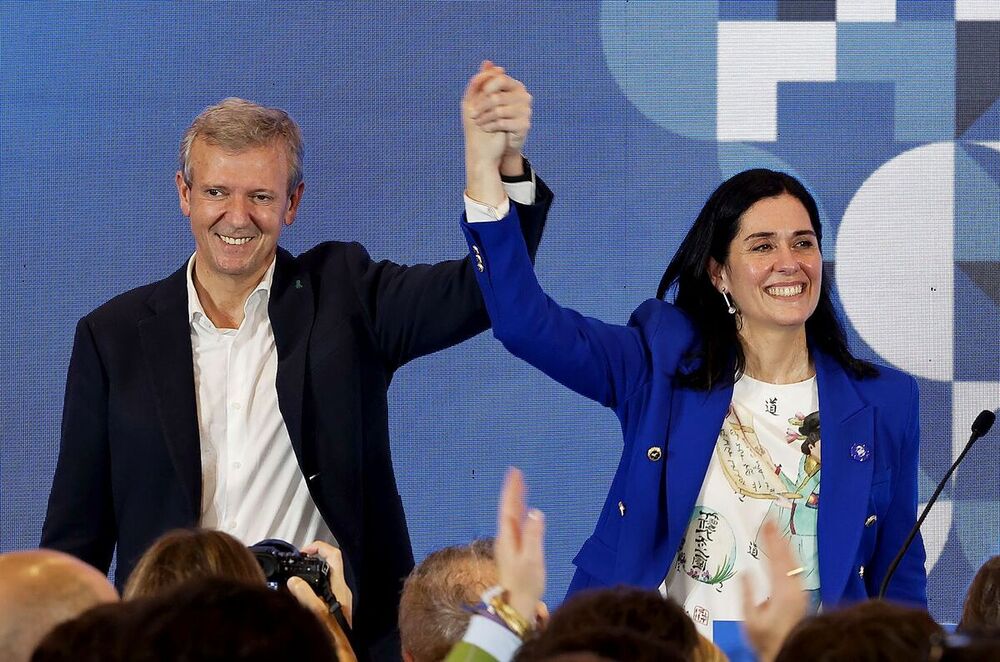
(980, 427)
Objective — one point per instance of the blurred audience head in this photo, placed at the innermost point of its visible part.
(598, 645)
(982, 603)
(438, 596)
(590, 620)
(868, 631)
(96, 635)
(184, 554)
(40, 589)
(202, 620)
(965, 647)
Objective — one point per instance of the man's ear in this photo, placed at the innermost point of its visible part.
(407, 656)
(293, 203)
(183, 193)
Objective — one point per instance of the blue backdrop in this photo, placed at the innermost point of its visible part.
(890, 112)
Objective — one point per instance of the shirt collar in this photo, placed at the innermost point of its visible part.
(196, 311)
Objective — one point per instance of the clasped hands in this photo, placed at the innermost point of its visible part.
(496, 117)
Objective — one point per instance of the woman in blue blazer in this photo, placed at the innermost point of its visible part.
(750, 306)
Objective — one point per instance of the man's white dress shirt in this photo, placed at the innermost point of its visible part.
(252, 486)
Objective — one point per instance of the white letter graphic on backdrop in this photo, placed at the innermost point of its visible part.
(895, 260)
(753, 57)
(977, 10)
(866, 11)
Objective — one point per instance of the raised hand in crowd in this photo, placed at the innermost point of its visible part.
(766, 625)
(519, 549)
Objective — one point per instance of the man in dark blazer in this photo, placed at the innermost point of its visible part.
(326, 331)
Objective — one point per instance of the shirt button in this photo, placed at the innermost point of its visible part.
(621, 508)
(236, 465)
(654, 453)
(236, 406)
(861, 572)
(871, 520)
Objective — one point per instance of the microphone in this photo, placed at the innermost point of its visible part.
(982, 424)
(980, 427)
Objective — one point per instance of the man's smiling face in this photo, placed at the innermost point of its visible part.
(237, 203)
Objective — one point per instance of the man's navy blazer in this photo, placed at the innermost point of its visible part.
(129, 464)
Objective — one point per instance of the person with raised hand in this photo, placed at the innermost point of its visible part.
(739, 399)
(509, 611)
(520, 549)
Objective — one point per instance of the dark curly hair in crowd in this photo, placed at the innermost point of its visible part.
(688, 274)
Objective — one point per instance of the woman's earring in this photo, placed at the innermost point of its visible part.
(730, 308)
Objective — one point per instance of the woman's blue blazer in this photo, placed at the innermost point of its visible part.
(870, 431)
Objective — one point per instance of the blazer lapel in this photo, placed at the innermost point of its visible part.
(847, 428)
(166, 347)
(699, 417)
(291, 309)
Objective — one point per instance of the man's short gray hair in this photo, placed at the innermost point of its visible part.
(438, 597)
(237, 124)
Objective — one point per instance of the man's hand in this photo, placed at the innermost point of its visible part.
(518, 548)
(767, 625)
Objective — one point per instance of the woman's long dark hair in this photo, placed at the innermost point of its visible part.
(710, 236)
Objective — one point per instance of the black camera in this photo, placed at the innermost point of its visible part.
(281, 560)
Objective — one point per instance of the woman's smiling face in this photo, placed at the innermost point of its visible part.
(774, 270)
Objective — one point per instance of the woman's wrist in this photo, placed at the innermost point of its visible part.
(483, 184)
